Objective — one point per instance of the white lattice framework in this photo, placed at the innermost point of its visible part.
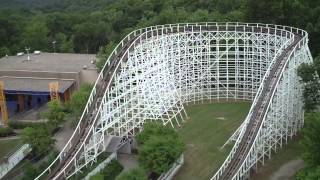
(155, 72)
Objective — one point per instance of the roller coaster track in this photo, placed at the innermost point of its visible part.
(74, 156)
(258, 112)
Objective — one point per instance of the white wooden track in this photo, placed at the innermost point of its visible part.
(156, 71)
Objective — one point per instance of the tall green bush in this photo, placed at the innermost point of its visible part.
(133, 174)
(112, 170)
(159, 148)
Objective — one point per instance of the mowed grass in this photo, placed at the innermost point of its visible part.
(8, 146)
(208, 128)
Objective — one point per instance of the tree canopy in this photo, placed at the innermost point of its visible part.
(311, 144)
(88, 26)
(310, 134)
(40, 139)
(159, 148)
(78, 102)
(133, 174)
(55, 114)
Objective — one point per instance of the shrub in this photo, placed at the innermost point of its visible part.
(155, 129)
(133, 174)
(159, 148)
(30, 171)
(112, 170)
(40, 139)
(22, 125)
(77, 103)
(55, 114)
(6, 131)
(159, 153)
(88, 169)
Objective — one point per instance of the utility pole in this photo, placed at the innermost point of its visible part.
(28, 49)
(54, 46)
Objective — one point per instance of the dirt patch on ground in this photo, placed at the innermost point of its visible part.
(288, 170)
(221, 118)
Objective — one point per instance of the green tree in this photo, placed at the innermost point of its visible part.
(311, 93)
(159, 153)
(90, 36)
(55, 114)
(4, 51)
(308, 173)
(311, 138)
(35, 35)
(64, 44)
(40, 139)
(133, 174)
(153, 129)
(311, 144)
(111, 171)
(307, 72)
(159, 148)
(103, 54)
(30, 171)
(78, 101)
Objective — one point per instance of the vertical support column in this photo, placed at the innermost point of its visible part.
(3, 105)
(67, 95)
(54, 90)
(21, 102)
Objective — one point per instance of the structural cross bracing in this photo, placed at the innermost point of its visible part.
(155, 72)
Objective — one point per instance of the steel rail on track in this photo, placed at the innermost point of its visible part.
(65, 161)
(258, 113)
(255, 120)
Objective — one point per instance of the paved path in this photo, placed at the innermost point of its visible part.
(128, 161)
(63, 135)
(9, 138)
(288, 170)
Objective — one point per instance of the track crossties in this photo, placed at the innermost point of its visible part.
(155, 72)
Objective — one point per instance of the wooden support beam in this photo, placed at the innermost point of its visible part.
(67, 95)
(3, 105)
(21, 102)
(54, 90)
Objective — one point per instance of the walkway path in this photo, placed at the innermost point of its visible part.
(288, 170)
(9, 138)
(128, 161)
(63, 135)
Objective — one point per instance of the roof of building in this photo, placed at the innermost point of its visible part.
(52, 62)
(33, 84)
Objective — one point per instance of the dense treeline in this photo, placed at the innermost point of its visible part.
(92, 26)
(86, 26)
(311, 136)
(86, 31)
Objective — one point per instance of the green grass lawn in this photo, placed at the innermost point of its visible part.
(8, 146)
(208, 128)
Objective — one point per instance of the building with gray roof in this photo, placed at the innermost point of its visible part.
(26, 82)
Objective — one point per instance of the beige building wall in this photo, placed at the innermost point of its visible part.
(88, 76)
(45, 75)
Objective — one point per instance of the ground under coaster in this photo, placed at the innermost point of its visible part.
(155, 71)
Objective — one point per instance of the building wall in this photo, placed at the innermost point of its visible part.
(30, 101)
(88, 76)
(44, 75)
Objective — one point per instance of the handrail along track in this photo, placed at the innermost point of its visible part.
(62, 165)
(258, 113)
